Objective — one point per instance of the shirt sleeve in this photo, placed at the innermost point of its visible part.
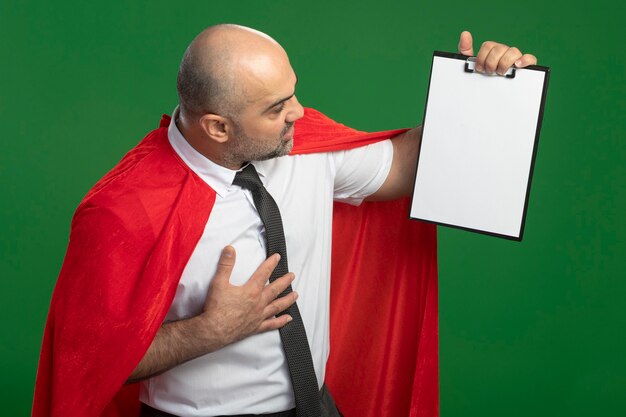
(360, 172)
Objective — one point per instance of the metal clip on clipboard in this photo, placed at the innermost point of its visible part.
(471, 62)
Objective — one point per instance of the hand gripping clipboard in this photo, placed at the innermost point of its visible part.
(479, 143)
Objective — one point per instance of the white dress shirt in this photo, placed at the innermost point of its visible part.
(251, 376)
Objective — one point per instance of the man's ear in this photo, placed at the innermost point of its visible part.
(216, 127)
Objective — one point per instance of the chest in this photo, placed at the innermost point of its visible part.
(303, 190)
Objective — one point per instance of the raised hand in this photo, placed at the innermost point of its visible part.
(494, 57)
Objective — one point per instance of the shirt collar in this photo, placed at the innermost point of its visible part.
(219, 178)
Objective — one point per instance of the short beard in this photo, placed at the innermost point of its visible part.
(245, 149)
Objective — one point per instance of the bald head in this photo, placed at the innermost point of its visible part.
(219, 64)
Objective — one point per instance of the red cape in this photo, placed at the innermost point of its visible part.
(132, 235)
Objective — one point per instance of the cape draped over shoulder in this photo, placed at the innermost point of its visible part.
(132, 236)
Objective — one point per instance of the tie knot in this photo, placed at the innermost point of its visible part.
(248, 178)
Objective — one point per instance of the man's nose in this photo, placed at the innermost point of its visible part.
(296, 111)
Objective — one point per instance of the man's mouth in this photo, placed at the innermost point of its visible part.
(287, 132)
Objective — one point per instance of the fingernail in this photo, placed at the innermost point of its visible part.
(289, 318)
(295, 294)
(478, 68)
(228, 252)
(518, 63)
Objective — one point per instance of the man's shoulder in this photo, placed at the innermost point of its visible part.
(143, 185)
(145, 155)
(315, 132)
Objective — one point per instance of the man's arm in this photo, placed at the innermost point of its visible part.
(492, 58)
(399, 181)
(230, 313)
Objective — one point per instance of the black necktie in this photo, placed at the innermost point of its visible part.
(293, 335)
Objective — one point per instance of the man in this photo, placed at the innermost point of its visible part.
(169, 255)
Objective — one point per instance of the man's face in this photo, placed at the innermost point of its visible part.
(252, 148)
(264, 128)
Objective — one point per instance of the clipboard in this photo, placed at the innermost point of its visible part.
(479, 144)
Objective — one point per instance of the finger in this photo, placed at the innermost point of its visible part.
(483, 52)
(526, 60)
(492, 60)
(274, 323)
(465, 44)
(507, 60)
(263, 272)
(274, 289)
(225, 266)
(279, 305)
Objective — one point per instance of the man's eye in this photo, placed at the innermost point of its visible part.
(280, 108)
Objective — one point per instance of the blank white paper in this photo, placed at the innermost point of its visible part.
(477, 148)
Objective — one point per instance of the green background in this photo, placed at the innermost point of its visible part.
(535, 328)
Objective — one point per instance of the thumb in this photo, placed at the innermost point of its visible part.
(225, 265)
(465, 44)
